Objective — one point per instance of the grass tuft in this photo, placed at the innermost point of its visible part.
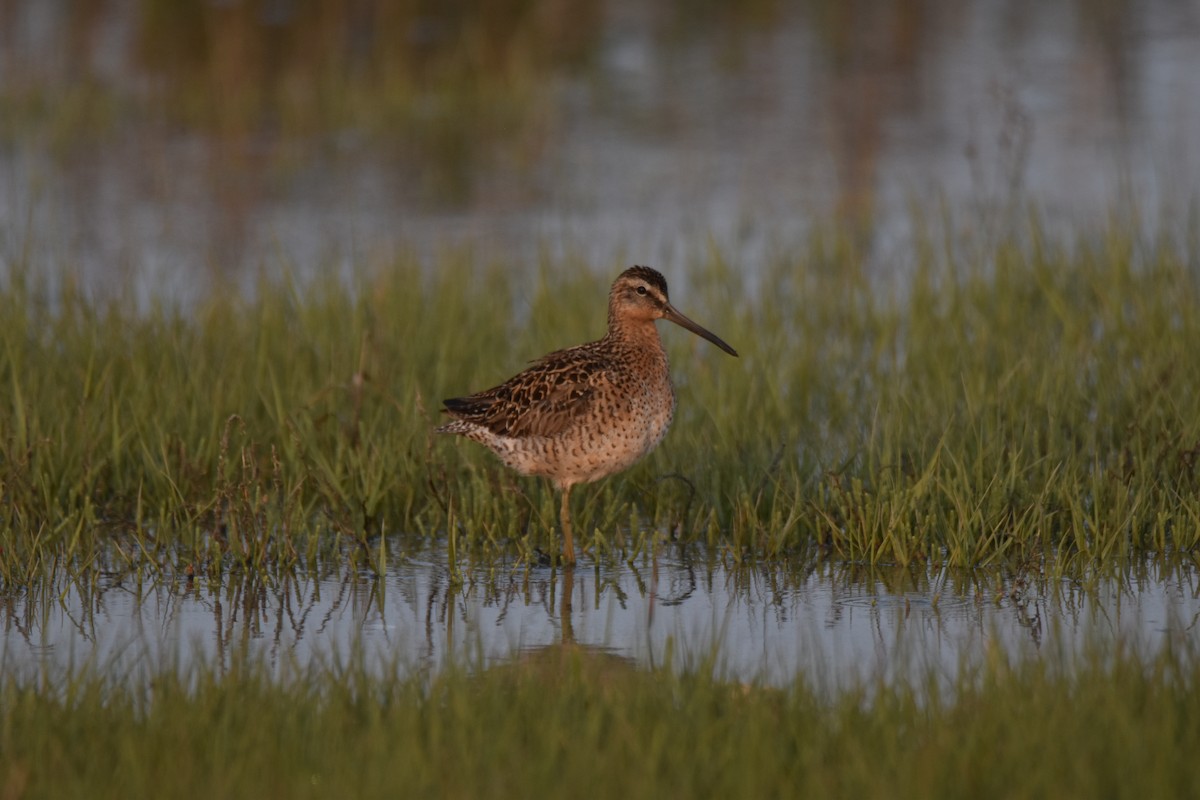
(1035, 406)
(1115, 724)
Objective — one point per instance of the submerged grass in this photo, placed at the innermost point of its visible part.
(1031, 406)
(1116, 725)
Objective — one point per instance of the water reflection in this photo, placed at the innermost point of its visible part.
(830, 623)
(672, 126)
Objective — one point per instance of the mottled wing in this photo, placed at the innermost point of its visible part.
(543, 400)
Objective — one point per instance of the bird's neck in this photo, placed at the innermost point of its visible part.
(641, 334)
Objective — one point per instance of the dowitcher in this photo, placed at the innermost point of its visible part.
(587, 412)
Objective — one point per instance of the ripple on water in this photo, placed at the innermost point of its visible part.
(835, 623)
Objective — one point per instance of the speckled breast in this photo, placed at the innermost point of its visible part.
(622, 426)
(637, 425)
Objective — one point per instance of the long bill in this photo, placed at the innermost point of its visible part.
(671, 313)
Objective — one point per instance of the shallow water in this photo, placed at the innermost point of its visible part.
(831, 624)
(748, 138)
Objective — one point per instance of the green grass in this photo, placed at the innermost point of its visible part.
(1035, 406)
(1113, 726)
(1028, 410)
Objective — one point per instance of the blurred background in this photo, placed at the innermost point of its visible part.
(194, 144)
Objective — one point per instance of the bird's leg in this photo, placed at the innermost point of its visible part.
(568, 552)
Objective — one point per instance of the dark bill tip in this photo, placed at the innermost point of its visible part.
(679, 319)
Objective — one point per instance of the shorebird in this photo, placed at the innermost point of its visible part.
(590, 411)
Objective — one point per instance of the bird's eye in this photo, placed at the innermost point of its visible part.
(641, 290)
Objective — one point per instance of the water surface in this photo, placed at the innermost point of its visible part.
(675, 136)
(829, 624)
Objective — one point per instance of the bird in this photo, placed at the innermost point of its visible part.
(590, 411)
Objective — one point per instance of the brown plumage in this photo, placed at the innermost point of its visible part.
(581, 414)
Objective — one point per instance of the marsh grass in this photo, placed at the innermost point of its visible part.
(1115, 724)
(1034, 407)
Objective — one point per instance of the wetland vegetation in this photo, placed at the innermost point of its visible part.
(1031, 410)
(1115, 725)
(985, 406)
(1036, 409)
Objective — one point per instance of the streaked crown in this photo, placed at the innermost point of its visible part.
(650, 277)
